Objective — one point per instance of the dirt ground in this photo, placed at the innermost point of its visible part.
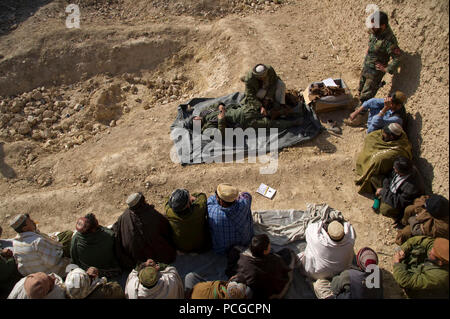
(86, 113)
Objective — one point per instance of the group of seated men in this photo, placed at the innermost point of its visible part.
(387, 174)
(134, 258)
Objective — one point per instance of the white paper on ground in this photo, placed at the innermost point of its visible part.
(329, 82)
(266, 191)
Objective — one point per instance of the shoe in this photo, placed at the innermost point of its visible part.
(358, 121)
(333, 127)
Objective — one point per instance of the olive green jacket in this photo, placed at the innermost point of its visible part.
(419, 276)
(190, 227)
(253, 84)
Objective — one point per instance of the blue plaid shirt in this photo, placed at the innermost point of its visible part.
(232, 225)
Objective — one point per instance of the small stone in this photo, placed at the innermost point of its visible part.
(112, 123)
(138, 100)
(147, 106)
(304, 57)
(83, 179)
(126, 109)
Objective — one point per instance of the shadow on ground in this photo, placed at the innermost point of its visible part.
(13, 12)
(5, 170)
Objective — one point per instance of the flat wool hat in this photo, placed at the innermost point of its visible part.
(133, 199)
(227, 192)
(336, 230)
(38, 285)
(148, 276)
(437, 206)
(179, 199)
(17, 221)
(440, 246)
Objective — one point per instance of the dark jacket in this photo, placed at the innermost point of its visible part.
(351, 284)
(266, 276)
(143, 233)
(410, 189)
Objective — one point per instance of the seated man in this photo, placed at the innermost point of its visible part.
(151, 280)
(267, 274)
(427, 216)
(197, 287)
(187, 215)
(399, 189)
(352, 283)
(9, 275)
(39, 286)
(381, 148)
(93, 246)
(142, 233)
(329, 249)
(82, 284)
(421, 267)
(37, 252)
(230, 218)
(382, 112)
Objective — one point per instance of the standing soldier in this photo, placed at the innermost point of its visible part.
(382, 46)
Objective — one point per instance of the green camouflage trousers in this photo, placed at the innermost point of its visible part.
(369, 85)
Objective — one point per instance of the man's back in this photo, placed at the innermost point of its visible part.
(232, 225)
(35, 252)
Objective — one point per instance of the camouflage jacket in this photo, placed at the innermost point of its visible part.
(253, 84)
(382, 47)
(419, 276)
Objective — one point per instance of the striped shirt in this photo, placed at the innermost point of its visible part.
(36, 252)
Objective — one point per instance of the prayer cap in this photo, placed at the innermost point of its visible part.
(17, 221)
(437, 206)
(133, 199)
(260, 70)
(77, 284)
(179, 199)
(148, 276)
(440, 246)
(365, 257)
(38, 285)
(399, 97)
(236, 290)
(227, 192)
(336, 230)
(396, 129)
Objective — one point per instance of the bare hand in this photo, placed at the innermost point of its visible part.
(378, 192)
(92, 272)
(399, 256)
(221, 112)
(263, 111)
(388, 103)
(380, 67)
(353, 115)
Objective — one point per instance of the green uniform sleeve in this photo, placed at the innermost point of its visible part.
(251, 88)
(418, 279)
(426, 242)
(395, 53)
(273, 79)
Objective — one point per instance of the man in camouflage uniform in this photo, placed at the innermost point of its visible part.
(421, 267)
(382, 46)
(263, 103)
